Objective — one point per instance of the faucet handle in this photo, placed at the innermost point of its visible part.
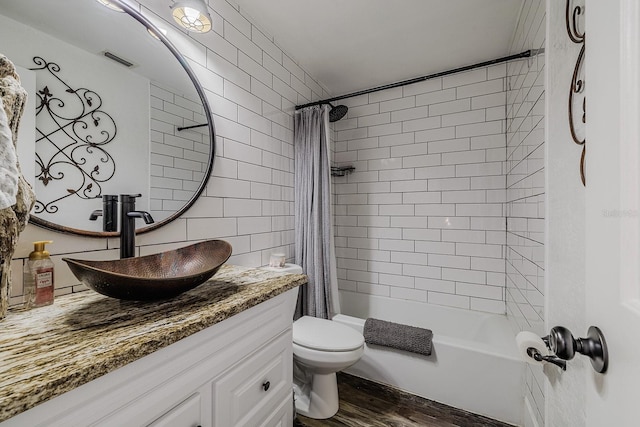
(128, 198)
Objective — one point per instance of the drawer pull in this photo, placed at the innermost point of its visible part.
(266, 385)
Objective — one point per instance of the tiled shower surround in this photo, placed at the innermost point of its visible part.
(446, 205)
(525, 177)
(526, 191)
(423, 215)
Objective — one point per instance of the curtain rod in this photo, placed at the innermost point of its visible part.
(525, 54)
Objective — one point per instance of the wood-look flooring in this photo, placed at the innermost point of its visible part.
(368, 404)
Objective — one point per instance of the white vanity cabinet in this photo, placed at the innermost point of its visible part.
(235, 373)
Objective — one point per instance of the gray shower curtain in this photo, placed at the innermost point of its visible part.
(313, 222)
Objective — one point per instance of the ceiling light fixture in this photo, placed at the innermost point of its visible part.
(192, 15)
(110, 5)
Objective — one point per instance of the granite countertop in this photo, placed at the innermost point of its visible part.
(50, 350)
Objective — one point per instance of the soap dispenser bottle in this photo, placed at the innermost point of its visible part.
(38, 277)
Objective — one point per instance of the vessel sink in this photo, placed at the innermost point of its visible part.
(153, 277)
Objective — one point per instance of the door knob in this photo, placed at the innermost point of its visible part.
(562, 343)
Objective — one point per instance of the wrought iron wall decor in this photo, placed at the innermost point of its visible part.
(577, 96)
(72, 132)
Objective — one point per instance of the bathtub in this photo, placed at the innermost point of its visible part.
(474, 364)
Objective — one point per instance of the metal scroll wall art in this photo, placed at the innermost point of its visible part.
(72, 132)
(577, 97)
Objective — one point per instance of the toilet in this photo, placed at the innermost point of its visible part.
(320, 349)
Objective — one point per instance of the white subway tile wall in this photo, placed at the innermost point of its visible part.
(178, 158)
(252, 86)
(525, 195)
(423, 218)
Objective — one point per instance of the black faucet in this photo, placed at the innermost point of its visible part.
(128, 216)
(109, 213)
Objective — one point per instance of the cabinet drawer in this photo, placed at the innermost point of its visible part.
(186, 414)
(251, 390)
(282, 416)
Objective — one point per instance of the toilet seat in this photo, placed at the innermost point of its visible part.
(325, 335)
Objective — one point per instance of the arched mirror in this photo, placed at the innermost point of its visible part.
(114, 109)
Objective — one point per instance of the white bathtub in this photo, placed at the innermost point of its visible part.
(474, 364)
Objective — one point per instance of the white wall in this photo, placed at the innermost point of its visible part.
(253, 87)
(525, 207)
(565, 244)
(422, 217)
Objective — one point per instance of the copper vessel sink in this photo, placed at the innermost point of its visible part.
(153, 277)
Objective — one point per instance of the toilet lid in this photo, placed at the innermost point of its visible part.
(325, 335)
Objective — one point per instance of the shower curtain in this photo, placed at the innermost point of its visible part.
(314, 246)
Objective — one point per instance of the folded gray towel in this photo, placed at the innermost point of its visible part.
(395, 335)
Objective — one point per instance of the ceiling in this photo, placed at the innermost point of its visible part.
(350, 45)
(131, 42)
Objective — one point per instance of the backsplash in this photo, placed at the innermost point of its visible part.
(252, 86)
(422, 217)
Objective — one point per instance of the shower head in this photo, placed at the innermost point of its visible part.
(337, 112)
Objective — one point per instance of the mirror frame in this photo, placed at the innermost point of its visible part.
(138, 16)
